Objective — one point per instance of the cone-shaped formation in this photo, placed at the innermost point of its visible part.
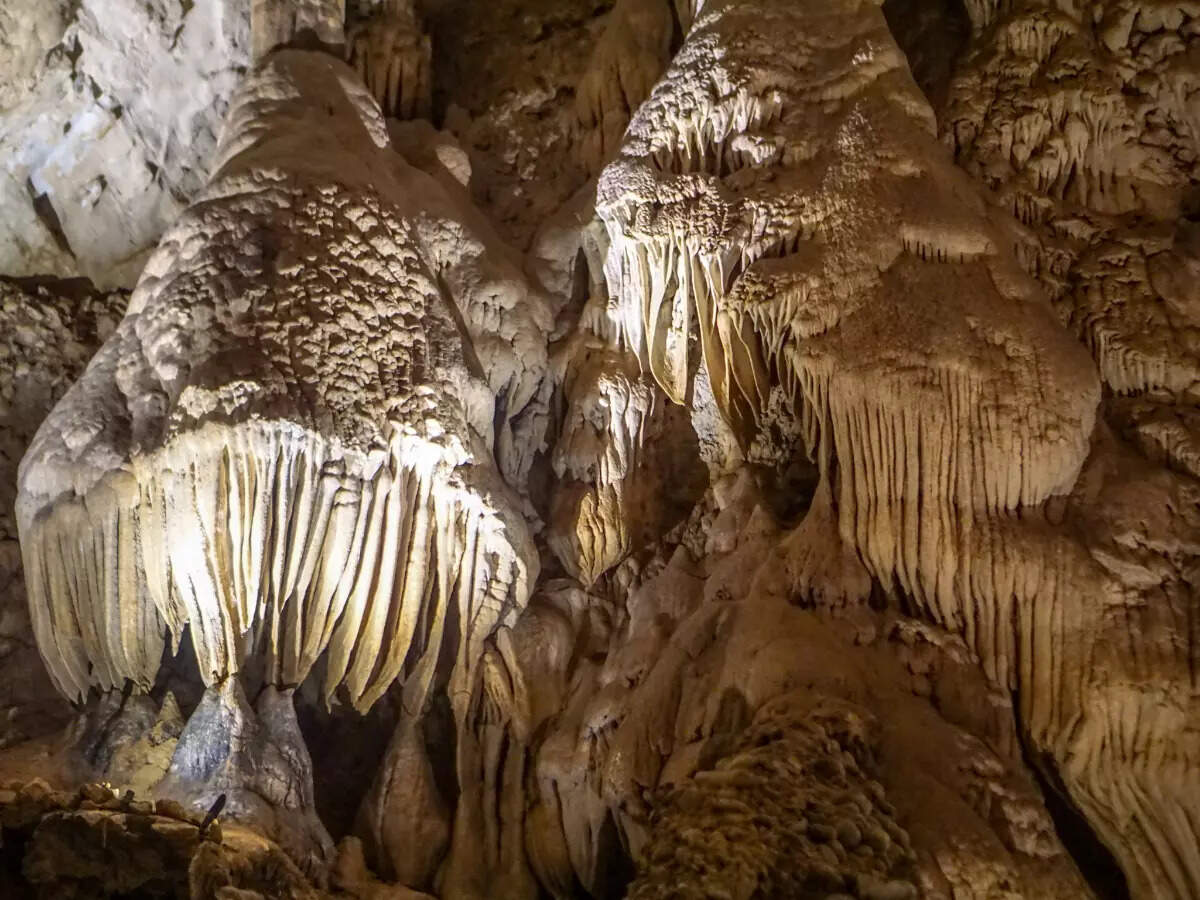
(784, 811)
(250, 764)
(287, 444)
(781, 193)
(786, 197)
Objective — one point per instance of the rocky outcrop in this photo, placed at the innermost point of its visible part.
(94, 842)
(110, 125)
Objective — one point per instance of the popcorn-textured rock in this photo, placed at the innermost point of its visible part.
(288, 457)
(729, 830)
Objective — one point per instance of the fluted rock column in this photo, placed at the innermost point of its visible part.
(781, 195)
(293, 445)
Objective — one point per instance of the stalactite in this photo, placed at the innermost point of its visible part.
(848, 534)
(625, 64)
(394, 57)
(1090, 145)
(278, 23)
(602, 435)
(859, 278)
(334, 494)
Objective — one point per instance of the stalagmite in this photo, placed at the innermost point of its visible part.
(250, 765)
(624, 461)
(651, 448)
(809, 835)
(275, 456)
(602, 435)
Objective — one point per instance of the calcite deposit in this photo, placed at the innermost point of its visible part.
(519, 449)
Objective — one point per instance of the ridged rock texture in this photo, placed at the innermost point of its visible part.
(650, 448)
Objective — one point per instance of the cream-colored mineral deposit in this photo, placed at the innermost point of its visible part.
(700, 449)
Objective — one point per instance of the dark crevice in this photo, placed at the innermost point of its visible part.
(179, 673)
(44, 210)
(615, 869)
(932, 34)
(1094, 860)
(345, 749)
(677, 33)
(468, 345)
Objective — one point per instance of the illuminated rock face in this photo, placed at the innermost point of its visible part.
(813, 500)
(293, 462)
(1081, 120)
(280, 456)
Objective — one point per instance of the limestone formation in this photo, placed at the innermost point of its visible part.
(46, 339)
(829, 804)
(393, 56)
(1079, 119)
(628, 59)
(314, 22)
(292, 463)
(110, 125)
(600, 448)
(336, 485)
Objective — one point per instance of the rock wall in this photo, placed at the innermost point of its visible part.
(110, 124)
(48, 338)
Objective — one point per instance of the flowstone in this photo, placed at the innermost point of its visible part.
(802, 503)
